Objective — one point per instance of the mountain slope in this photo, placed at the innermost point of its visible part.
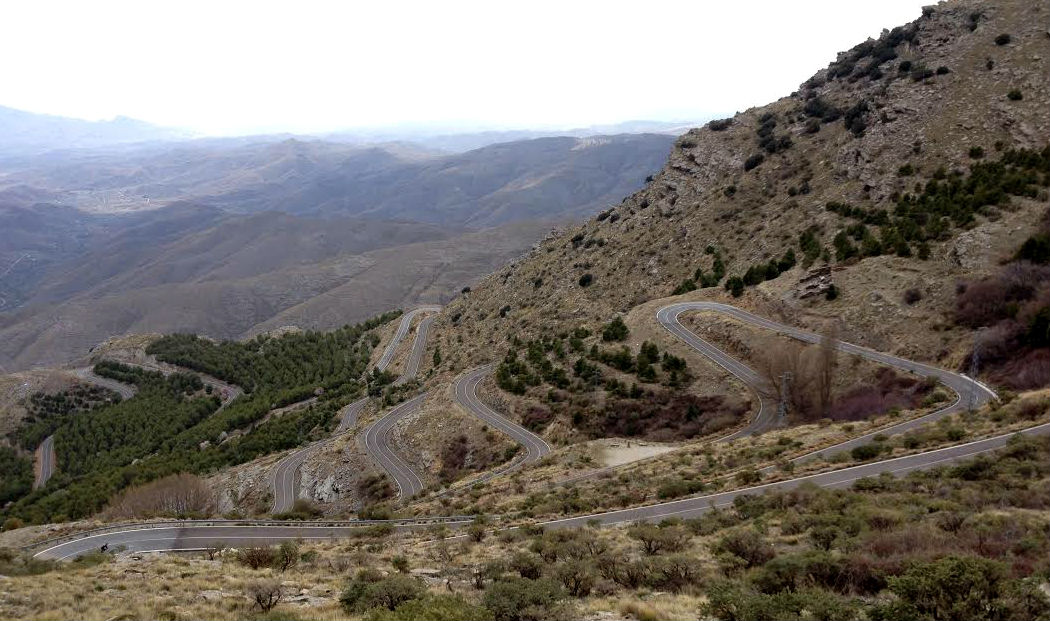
(878, 124)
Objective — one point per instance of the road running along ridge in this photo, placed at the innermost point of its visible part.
(190, 537)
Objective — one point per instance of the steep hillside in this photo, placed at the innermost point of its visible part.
(250, 274)
(894, 167)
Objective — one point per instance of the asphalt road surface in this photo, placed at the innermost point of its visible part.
(87, 374)
(376, 439)
(46, 455)
(419, 345)
(402, 330)
(962, 386)
(697, 505)
(377, 443)
(203, 535)
(284, 480)
(466, 390)
(192, 537)
(46, 452)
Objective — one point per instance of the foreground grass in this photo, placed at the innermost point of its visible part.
(964, 541)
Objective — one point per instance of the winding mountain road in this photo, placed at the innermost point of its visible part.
(402, 330)
(45, 453)
(669, 315)
(87, 374)
(419, 345)
(193, 536)
(465, 389)
(284, 479)
(376, 442)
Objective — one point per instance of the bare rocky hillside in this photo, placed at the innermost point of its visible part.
(838, 174)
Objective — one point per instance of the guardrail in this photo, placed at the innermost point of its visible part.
(445, 519)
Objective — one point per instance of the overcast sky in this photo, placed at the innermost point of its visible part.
(221, 67)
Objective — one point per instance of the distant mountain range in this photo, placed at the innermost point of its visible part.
(26, 133)
(229, 236)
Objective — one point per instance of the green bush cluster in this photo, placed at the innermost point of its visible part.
(46, 412)
(947, 201)
(702, 279)
(768, 140)
(866, 59)
(761, 272)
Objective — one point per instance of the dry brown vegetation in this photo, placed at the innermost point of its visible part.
(178, 495)
(971, 532)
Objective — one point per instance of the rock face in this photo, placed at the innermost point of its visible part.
(874, 125)
(816, 282)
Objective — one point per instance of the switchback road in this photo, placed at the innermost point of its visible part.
(195, 537)
(402, 330)
(284, 480)
(465, 389)
(961, 385)
(45, 453)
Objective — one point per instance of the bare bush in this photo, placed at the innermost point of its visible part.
(265, 593)
(178, 495)
(827, 366)
(256, 558)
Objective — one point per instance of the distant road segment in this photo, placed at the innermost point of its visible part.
(45, 455)
(399, 335)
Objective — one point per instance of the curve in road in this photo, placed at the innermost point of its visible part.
(189, 538)
(377, 443)
(87, 374)
(284, 479)
(402, 330)
(192, 537)
(45, 453)
(419, 345)
(465, 389)
(697, 505)
(668, 316)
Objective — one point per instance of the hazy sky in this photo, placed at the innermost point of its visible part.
(223, 67)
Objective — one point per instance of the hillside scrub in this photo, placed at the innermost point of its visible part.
(588, 390)
(46, 412)
(947, 201)
(966, 540)
(1011, 310)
